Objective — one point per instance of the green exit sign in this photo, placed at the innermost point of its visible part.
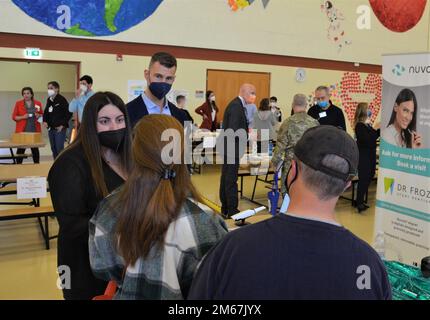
(33, 53)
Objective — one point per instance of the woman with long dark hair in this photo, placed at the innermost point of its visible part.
(264, 121)
(366, 141)
(401, 129)
(149, 236)
(209, 111)
(95, 164)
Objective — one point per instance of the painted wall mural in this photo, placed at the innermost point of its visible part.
(339, 29)
(354, 88)
(99, 18)
(335, 30)
(242, 4)
(398, 15)
(89, 17)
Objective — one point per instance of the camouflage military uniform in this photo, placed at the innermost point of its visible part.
(289, 133)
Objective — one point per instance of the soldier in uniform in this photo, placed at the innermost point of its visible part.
(289, 133)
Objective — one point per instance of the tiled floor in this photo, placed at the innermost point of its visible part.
(28, 271)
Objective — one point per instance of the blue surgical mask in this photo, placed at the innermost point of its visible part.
(369, 113)
(323, 104)
(160, 89)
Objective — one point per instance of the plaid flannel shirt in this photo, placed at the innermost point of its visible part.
(165, 273)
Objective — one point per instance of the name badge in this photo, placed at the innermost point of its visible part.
(30, 115)
(323, 114)
(50, 109)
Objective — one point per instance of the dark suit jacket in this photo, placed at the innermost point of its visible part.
(137, 109)
(235, 119)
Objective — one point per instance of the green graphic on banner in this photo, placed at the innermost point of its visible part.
(414, 161)
(388, 185)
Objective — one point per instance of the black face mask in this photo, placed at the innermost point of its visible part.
(112, 139)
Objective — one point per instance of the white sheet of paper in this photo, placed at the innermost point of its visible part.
(209, 142)
(323, 114)
(31, 187)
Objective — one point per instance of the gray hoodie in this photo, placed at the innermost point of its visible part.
(264, 120)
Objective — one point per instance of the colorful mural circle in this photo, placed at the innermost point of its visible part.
(89, 17)
(398, 15)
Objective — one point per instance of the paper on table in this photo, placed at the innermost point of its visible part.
(209, 142)
(31, 187)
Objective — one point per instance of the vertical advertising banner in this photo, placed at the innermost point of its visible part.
(403, 193)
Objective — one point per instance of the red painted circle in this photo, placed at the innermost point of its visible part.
(398, 15)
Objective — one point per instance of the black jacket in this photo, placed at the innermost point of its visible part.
(75, 199)
(334, 116)
(57, 112)
(137, 109)
(235, 119)
(366, 136)
(188, 116)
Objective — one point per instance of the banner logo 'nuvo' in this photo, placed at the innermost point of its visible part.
(398, 70)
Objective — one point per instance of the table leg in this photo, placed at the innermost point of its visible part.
(15, 161)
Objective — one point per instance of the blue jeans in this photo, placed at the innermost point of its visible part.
(56, 139)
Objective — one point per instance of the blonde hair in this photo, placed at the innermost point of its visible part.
(361, 112)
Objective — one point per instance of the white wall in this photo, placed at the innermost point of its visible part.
(108, 74)
(293, 27)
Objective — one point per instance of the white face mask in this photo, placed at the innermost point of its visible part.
(285, 203)
(51, 92)
(273, 104)
(83, 88)
(212, 98)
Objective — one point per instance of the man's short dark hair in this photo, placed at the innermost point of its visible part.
(55, 84)
(274, 99)
(163, 58)
(180, 97)
(325, 187)
(323, 88)
(87, 79)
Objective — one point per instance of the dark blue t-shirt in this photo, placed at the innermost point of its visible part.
(287, 257)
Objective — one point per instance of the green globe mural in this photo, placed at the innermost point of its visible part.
(89, 17)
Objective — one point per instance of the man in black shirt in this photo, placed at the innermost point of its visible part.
(56, 118)
(180, 103)
(305, 253)
(326, 112)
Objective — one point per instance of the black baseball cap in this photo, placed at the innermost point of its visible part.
(322, 140)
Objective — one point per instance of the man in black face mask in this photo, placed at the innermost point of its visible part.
(304, 253)
(159, 77)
